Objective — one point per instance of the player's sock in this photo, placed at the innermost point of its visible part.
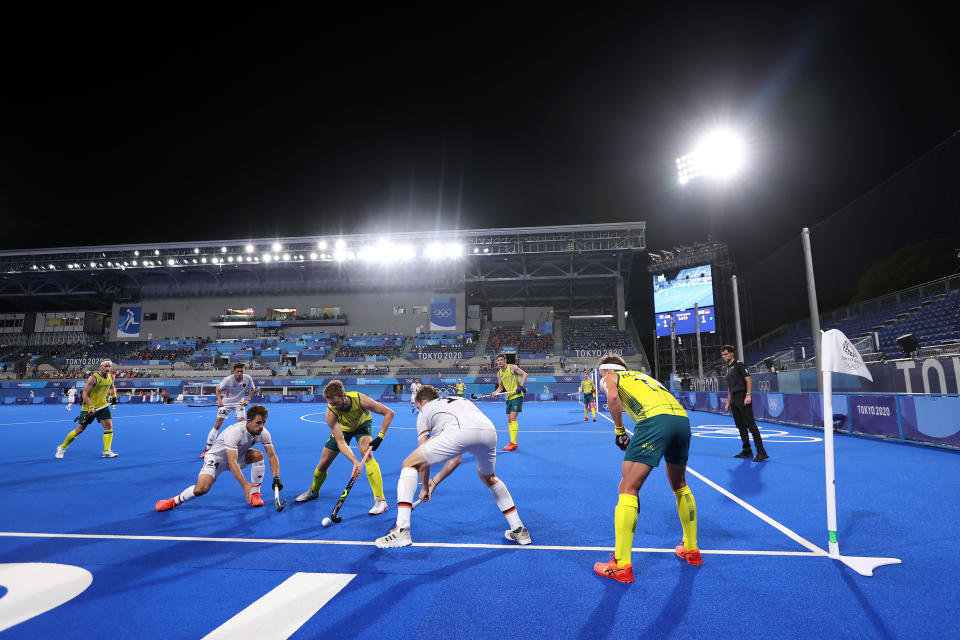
(406, 487)
(687, 508)
(514, 428)
(505, 503)
(257, 469)
(375, 479)
(185, 495)
(70, 438)
(585, 411)
(625, 523)
(318, 478)
(593, 410)
(107, 439)
(211, 437)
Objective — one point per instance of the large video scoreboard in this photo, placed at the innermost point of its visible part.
(674, 296)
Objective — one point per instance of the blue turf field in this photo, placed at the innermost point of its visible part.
(185, 573)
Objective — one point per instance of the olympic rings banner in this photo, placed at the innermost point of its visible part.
(443, 314)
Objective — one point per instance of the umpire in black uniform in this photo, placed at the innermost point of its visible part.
(740, 404)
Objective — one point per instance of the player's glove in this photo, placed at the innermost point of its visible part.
(623, 441)
(522, 389)
(376, 442)
(113, 400)
(277, 484)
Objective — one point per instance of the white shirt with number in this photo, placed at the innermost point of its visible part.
(237, 438)
(233, 392)
(451, 412)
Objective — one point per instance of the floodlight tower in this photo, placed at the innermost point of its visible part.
(719, 155)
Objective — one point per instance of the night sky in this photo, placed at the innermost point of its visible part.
(246, 124)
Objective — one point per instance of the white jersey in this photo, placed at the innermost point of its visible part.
(233, 392)
(453, 412)
(72, 394)
(414, 387)
(237, 438)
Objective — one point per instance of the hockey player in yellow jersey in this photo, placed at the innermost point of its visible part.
(348, 416)
(511, 380)
(589, 396)
(662, 431)
(98, 394)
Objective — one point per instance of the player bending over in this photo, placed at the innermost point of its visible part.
(98, 394)
(230, 395)
(348, 416)
(589, 396)
(233, 451)
(662, 431)
(446, 429)
(511, 379)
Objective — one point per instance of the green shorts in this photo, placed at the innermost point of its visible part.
(515, 405)
(363, 430)
(101, 414)
(588, 398)
(662, 436)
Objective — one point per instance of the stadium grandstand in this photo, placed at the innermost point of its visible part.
(359, 304)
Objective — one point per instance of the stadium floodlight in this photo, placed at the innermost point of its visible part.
(455, 250)
(476, 249)
(339, 255)
(203, 260)
(230, 259)
(486, 249)
(196, 250)
(341, 244)
(266, 257)
(322, 245)
(719, 154)
(52, 267)
(286, 256)
(136, 253)
(109, 264)
(170, 261)
(156, 252)
(248, 248)
(433, 251)
(277, 246)
(313, 255)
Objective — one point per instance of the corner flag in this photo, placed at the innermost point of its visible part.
(839, 355)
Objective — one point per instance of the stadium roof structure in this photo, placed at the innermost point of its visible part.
(574, 268)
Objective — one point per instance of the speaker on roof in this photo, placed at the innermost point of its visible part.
(909, 344)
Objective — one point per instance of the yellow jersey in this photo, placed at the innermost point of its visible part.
(509, 381)
(98, 395)
(461, 387)
(586, 386)
(644, 397)
(352, 418)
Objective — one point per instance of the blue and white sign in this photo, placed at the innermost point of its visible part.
(128, 323)
(443, 314)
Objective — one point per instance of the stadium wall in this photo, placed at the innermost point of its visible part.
(365, 312)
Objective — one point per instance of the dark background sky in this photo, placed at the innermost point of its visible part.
(241, 124)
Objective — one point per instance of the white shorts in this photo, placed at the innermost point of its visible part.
(214, 466)
(451, 442)
(224, 411)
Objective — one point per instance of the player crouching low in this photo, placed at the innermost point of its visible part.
(457, 426)
(232, 450)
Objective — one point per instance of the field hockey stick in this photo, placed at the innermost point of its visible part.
(481, 396)
(343, 496)
(276, 500)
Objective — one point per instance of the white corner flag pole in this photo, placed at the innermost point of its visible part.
(839, 355)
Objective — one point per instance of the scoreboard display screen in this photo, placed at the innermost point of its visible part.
(685, 323)
(674, 296)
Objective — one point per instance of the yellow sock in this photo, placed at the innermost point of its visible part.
(376, 480)
(70, 438)
(514, 428)
(318, 478)
(585, 411)
(687, 508)
(593, 410)
(625, 523)
(107, 440)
